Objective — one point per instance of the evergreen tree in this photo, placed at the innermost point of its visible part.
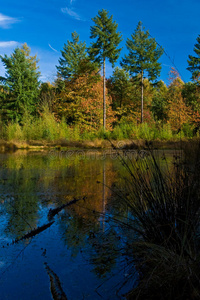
(105, 46)
(142, 58)
(191, 95)
(194, 61)
(72, 54)
(21, 84)
(119, 87)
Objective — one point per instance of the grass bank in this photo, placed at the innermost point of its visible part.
(47, 128)
(45, 131)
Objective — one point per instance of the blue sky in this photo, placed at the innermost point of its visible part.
(46, 25)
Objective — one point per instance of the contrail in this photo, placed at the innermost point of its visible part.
(52, 48)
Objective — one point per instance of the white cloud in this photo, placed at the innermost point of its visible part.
(71, 13)
(8, 44)
(6, 21)
(52, 48)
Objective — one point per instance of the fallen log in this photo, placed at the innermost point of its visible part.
(54, 211)
(34, 232)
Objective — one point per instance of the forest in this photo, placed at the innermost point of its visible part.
(83, 104)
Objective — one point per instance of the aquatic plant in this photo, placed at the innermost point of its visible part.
(163, 202)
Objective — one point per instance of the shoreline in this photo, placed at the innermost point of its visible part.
(12, 146)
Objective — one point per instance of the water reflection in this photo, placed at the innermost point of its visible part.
(31, 184)
(83, 245)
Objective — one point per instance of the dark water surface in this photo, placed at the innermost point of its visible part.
(70, 253)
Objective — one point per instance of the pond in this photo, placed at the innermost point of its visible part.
(68, 252)
(56, 210)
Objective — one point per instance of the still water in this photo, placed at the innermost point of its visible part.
(71, 253)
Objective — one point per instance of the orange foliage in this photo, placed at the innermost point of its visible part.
(81, 102)
(179, 113)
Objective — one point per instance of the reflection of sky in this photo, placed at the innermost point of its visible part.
(2, 263)
(36, 183)
(73, 247)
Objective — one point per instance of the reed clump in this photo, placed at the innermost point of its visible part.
(163, 200)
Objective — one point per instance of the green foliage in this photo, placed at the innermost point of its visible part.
(160, 104)
(188, 130)
(122, 131)
(105, 46)
(14, 131)
(143, 54)
(142, 58)
(119, 86)
(191, 94)
(145, 132)
(107, 38)
(50, 130)
(47, 94)
(72, 54)
(20, 84)
(194, 61)
(103, 134)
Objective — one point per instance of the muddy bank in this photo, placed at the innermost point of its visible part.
(12, 146)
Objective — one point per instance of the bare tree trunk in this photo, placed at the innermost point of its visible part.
(142, 96)
(104, 96)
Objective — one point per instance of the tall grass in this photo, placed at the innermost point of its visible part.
(164, 226)
(46, 127)
(43, 128)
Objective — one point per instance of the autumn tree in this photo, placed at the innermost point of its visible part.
(21, 83)
(79, 101)
(72, 54)
(142, 58)
(194, 61)
(107, 39)
(179, 113)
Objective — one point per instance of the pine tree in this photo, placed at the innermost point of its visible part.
(105, 46)
(142, 58)
(21, 83)
(72, 54)
(194, 61)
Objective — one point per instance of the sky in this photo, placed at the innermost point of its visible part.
(46, 25)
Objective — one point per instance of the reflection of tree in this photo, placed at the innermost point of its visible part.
(22, 204)
(36, 182)
(75, 229)
(103, 251)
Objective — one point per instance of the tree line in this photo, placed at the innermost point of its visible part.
(80, 96)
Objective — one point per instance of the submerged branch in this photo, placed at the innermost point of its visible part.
(34, 232)
(55, 285)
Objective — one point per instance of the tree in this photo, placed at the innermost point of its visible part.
(194, 61)
(142, 58)
(72, 54)
(47, 95)
(105, 46)
(191, 94)
(78, 102)
(179, 114)
(119, 87)
(159, 105)
(21, 83)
